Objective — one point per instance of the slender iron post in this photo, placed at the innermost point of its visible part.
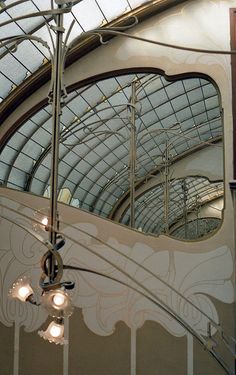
(166, 188)
(56, 112)
(197, 217)
(185, 211)
(132, 159)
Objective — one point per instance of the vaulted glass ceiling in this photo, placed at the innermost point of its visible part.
(197, 228)
(95, 140)
(19, 60)
(186, 196)
(96, 122)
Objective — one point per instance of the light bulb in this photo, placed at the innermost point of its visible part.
(21, 289)
(59, 299)
(57, 303)
(56, 330)
(41, 220)
(45, 221)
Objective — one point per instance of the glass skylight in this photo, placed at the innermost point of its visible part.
(95, 125)
(29, 56)
(95, 139)
(149, 207)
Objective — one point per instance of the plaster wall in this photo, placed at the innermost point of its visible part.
(193, 269)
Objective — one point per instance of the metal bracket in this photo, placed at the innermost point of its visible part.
(232, 185)
(57, 28)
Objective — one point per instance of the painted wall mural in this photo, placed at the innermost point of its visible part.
(109, 302)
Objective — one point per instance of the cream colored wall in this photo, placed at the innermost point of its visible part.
(203, 270)
(194, 269)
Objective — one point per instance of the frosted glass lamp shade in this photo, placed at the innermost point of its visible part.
(57, 303)
(41, 220)
(21, 289)
(54, 333)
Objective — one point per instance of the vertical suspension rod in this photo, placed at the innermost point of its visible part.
(132, 160)
(185, 213)
(166, 188)
(56, 113)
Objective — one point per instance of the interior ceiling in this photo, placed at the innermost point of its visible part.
(149, 211)
(95, 125)
(23, 63)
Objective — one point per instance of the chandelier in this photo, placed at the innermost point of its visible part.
(55, 298)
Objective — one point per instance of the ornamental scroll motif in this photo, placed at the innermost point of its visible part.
(196, 276)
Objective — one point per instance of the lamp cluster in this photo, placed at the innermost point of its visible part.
(54, 299)
(56, 302)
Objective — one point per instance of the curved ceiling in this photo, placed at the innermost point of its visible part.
(96, 121)
(186, 196)
(25, 63)
(95, 138)
(19, 61)
(197, 228)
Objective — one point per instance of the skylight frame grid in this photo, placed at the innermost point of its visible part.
(179, 232)
(113, 189)
(147, 210)
(37, 24)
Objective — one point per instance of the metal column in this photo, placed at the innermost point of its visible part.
(185, 209)
(132, 159)
(166, 188)
(56, 113)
